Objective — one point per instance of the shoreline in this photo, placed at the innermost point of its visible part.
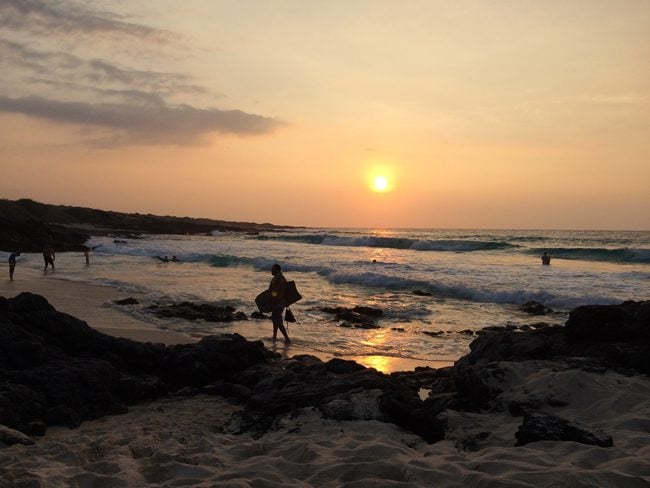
(88, 302)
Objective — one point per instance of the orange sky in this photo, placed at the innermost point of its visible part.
(479, 114)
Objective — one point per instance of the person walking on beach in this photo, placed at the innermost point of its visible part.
(48, 258)
(87, 256)
(12, 264)
(546, 259)
(278, 289)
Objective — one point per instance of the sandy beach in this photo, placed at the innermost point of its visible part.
(188, 442)
(196, 440)
(89, 303)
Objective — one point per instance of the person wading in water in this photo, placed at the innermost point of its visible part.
(278, 289)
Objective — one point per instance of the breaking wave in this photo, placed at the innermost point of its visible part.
(620, 255)
(452, 245)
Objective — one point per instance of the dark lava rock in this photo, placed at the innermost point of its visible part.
(433, 333)
(195, 311)
(33, 236)
(534, 308)
(55, 369)
(359, 316)
(508, 345)
(339, 389)
(545, 427)
(421, 293)
(127, 301)
(627, 322)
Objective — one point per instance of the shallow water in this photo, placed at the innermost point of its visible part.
(475, 278)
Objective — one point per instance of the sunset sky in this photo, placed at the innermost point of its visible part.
(477, 114)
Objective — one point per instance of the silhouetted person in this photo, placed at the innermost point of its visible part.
(48, 257)
(278, 289)
(12, 264)
(164, 260)
(87, 256)
(546, 259)
(175, 259)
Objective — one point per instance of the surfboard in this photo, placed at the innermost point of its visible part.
(263, 300)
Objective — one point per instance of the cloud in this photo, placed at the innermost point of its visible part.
(125, 105)
(18, 54)
(136, 124)
(71, 18)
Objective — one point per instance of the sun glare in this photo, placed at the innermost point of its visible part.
(380, 183)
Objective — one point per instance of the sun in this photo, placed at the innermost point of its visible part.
(380, 183)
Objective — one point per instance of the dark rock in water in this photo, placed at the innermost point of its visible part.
(421, 293)
(433, 333)
(534, 308)
(466, 332)
(260, 316)
(195, 311)
(497, 328)
(366, 325)
(362, 317)
(369, 311)
(545, 427)
(127, 301)
(397, 329)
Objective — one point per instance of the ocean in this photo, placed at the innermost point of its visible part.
(470, 279)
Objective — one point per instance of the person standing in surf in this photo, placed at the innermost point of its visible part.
(278, 289)
(12, 264)
(48, 257)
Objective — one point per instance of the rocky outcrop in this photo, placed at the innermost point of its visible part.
(360, 316)
(617, 335)
(55, 369)
(545, 427)
(197, 311)
(29, 226)
(35, 235)
(532, 307)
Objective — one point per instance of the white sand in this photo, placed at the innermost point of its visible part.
(186, 442)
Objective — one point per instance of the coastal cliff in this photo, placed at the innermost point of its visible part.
(28, 226)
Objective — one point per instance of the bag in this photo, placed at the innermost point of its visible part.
(288, 316)
(291, 294)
